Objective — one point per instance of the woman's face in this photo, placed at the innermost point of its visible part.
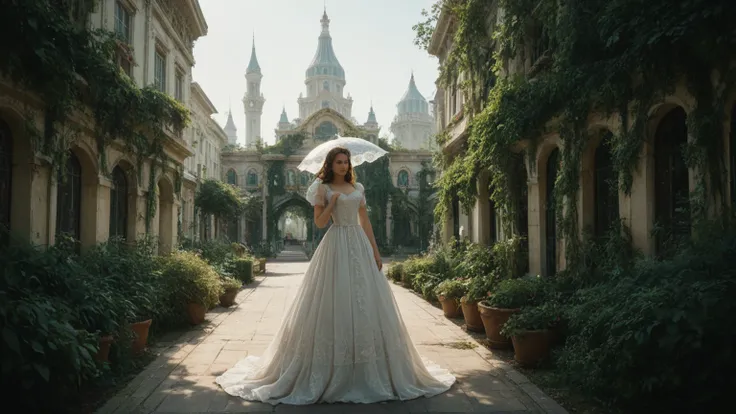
(340, 165)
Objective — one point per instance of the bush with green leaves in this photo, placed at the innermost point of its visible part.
(481, 287)
(476, 260)
(190, 279)
(241, 268)
(395, 271)
(658, 336)
(534, 318)
(451, 289)
(520, 292)
(229, 283)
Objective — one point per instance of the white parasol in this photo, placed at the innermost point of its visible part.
(360, 149)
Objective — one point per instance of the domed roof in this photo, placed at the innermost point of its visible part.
(412, 102)
(325, 61)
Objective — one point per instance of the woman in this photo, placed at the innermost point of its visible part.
(343, 339)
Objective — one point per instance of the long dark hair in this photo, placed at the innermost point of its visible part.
(327, 175)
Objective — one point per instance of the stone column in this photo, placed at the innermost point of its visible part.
(482, 211)
(389, 221)
(536, 219)
(102, 221)
(264, 212)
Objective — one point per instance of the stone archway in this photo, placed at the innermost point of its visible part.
(295, 203)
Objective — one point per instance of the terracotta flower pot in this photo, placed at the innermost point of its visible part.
(196, 313)
(493, 321)
(140, 331)
(532, 347)
(450, 306)
(227, 299)
(473, 322)
(104, 352)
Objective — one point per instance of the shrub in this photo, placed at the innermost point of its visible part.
(520, 292)
(395, 271)
(659, 337)
(451, 289)
(545, 316)
(189, 279)
(241, 268)
(480, 287)
(229, 283)
(477, 260)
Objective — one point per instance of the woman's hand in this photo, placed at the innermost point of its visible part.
(377, 258)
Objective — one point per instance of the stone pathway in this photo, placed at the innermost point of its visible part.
(181, 379)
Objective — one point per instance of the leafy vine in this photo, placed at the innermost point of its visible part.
(558, 64)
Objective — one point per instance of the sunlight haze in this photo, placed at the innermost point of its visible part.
(373, 41)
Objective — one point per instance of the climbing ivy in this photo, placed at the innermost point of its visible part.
(71, 69)
(609, 57)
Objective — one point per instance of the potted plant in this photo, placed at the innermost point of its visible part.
(532, 333)
(191, 283)
(231, 287)
(449, 293)
(507, 299)
(479, 288)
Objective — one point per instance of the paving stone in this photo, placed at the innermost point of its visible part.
(181, 378)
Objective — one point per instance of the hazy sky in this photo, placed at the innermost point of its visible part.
(373, 41)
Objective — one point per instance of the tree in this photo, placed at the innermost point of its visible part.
(220, 200)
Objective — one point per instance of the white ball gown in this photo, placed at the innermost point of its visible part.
(343, 338)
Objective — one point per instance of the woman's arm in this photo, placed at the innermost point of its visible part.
(365, 222)
(322, 213)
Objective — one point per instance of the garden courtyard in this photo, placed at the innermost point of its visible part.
(181, 378)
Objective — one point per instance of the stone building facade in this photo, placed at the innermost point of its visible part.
(659, 180)
(93, 204)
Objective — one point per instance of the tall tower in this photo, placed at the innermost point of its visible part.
(325, 79)
(413, 126)
(253, 100)
(230, 130)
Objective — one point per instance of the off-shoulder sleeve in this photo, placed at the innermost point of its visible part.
(316, 193)
(360, 188)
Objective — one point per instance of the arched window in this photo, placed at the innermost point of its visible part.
(403, 180)
(290, 178)
(119, 204)
(252, 179)
(671, 181)
(6, 169)
(303, 179)
(325, 130)
(553, 165)
(232, 177)
(605, 191)
(69, 198)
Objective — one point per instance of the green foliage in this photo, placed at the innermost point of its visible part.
(652, 335)
(286, 145)
(70, 68)
(519, 293)
(595, 57)
(477, 261)
(55, 304)
(481, 286)
(219, 199)
(229, 283)
(545, 316)
(395, 271)
(189, 279)
(242, 269)
(451, 288)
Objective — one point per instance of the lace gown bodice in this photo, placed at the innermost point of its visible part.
(345, 212)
